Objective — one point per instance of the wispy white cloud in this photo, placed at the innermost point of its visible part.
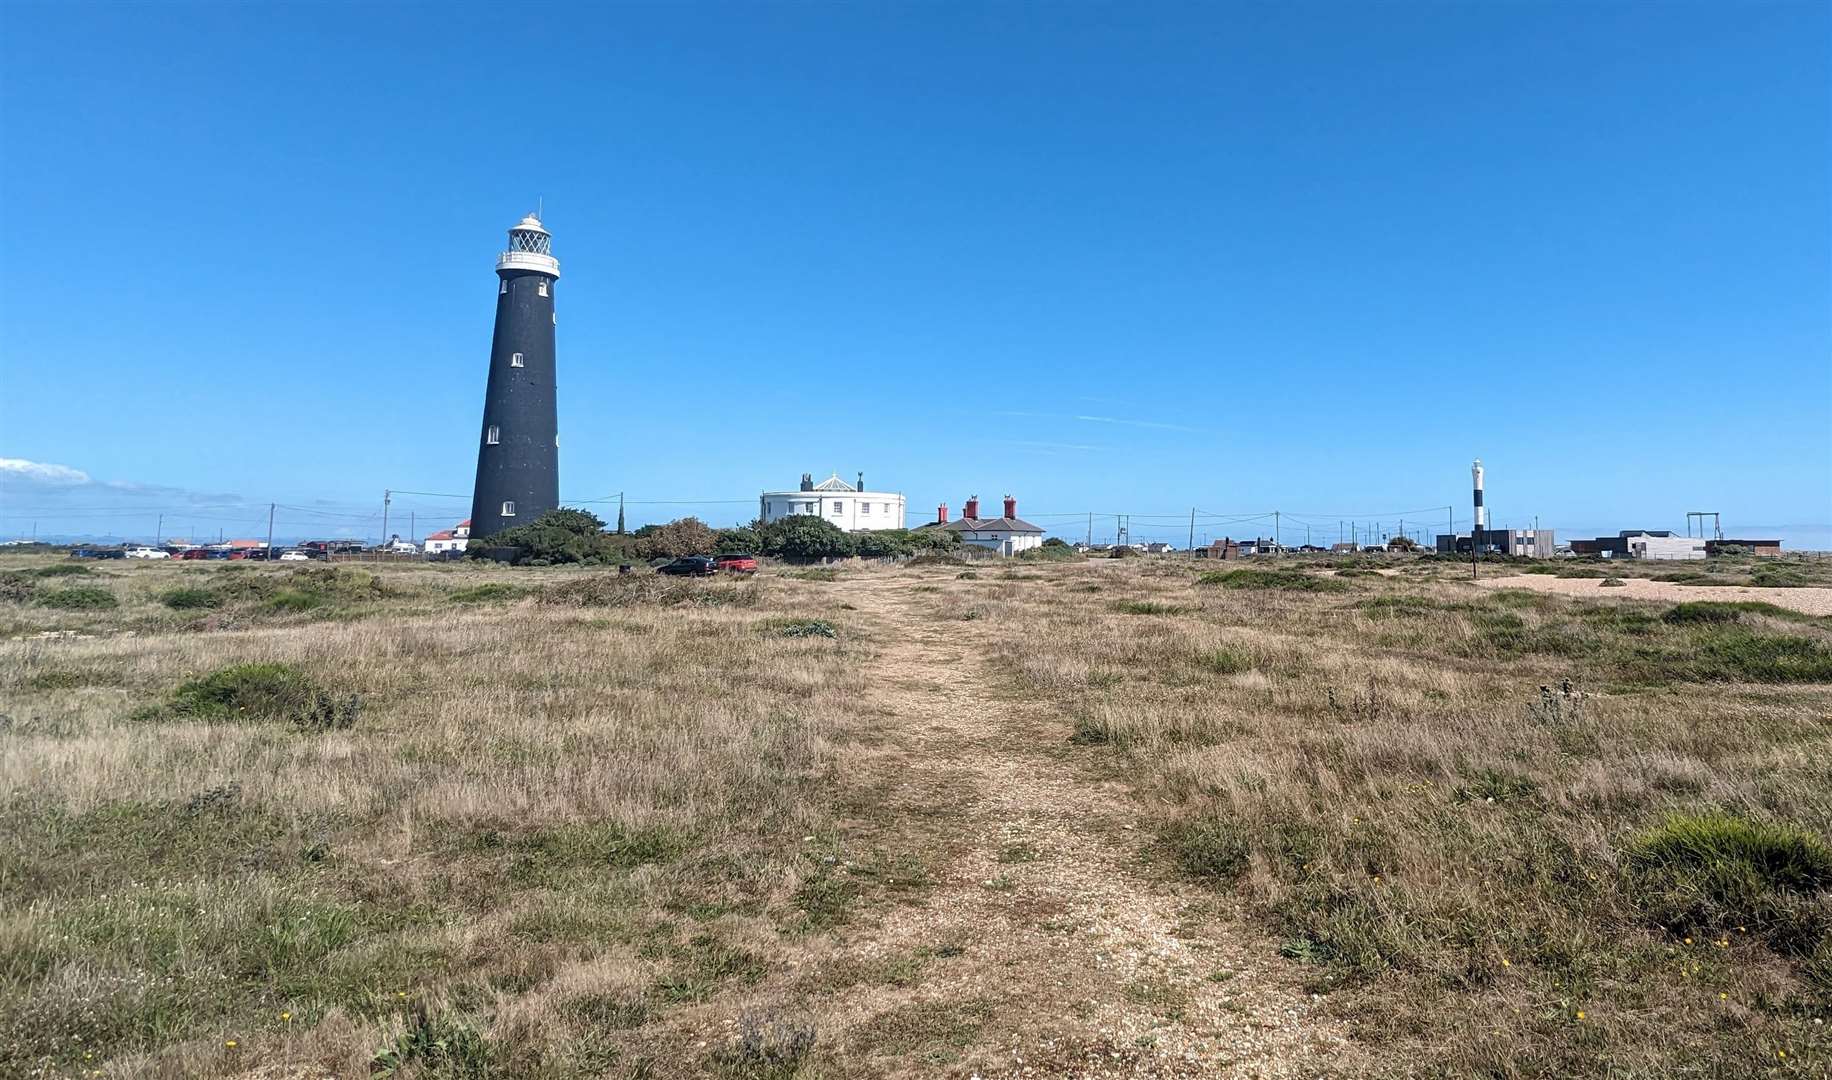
(38, 474)
(56, 485)
(1159, 425)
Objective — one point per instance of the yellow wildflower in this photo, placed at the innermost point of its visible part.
(1580, 1014)
(230, 1043)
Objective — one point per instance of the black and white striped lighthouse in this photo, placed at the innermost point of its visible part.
(518, 452)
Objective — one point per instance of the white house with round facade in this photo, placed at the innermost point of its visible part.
(848, 506)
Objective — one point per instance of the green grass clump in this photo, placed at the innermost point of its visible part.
(258, 692)
(293, 600)
(1207, 847)
(188, 598)
(1145, 607)
(1716, 871)
(79, 598)
(1295, 580)
(69, 569)
(1733, 652)
(1225, 662)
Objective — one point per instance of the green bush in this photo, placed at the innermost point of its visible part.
(69, 569)
(1716, 871)
(1296, 580)
(186, 598)
(295, 600)
(1776, 658)
(79, 598)
(807, 628)
(561, 536)
(261, 692)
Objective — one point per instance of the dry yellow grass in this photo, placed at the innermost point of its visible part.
(1091, 819)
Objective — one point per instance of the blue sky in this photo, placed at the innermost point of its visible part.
(1121, 258)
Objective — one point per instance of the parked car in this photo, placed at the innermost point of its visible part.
(241, 554)
(195, 553)
(736, 562)
(295, 556)
(97, 553)
(146, 553)
(689, 566)
(216, 553)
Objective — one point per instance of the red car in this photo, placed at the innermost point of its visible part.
(194, 553)
(736, 563)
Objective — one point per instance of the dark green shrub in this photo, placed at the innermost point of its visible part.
(79, 598)
(1296, 580)
(1716, 871)
(187, 598)
(69, 569)
(261, 692)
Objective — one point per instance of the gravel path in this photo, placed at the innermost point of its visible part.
(1080, 959)
(1812, 601)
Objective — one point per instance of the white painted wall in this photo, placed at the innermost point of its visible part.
(1005, 543)
(1666, 547)
(854, 511)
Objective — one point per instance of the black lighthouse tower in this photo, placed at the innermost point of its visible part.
(518, 451)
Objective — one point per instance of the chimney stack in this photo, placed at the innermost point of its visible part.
(1011, 507)
(941, 514)
(807, 482)
(971, 512)
(861, 481)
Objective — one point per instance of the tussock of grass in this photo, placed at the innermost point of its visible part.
(260, 692)
(1716, 872)
(1146, 607)
(797, 628)
(1291, 580)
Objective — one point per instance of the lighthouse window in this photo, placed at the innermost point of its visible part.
(543, 288)
(508, 509)
(493, 436)
(503, 287)
(515, 359)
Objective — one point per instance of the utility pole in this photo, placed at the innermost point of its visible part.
(1277, 542)
(159, 537)
(1192, 528)
(1090, 528)
(270, 531)
(387, 497)
(413, 525)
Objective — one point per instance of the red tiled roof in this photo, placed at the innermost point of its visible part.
(442, 534)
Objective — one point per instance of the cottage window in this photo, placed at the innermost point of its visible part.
(865, 508)
(515, 360)
(509, 508)
(493, 436)
(837, 509)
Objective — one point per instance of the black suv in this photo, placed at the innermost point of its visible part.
(689, 566)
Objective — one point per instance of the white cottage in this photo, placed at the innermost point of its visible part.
(1007, 534)
(452, 539)
(850, 507)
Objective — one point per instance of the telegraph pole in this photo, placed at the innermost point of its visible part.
(1090, 528)
(270, 531)
(1192, 529)
(1277, 542)
(387, 497)
(159, 537)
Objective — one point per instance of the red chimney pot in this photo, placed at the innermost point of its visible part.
(1011, 507)
(972, 510)
(941, 514)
